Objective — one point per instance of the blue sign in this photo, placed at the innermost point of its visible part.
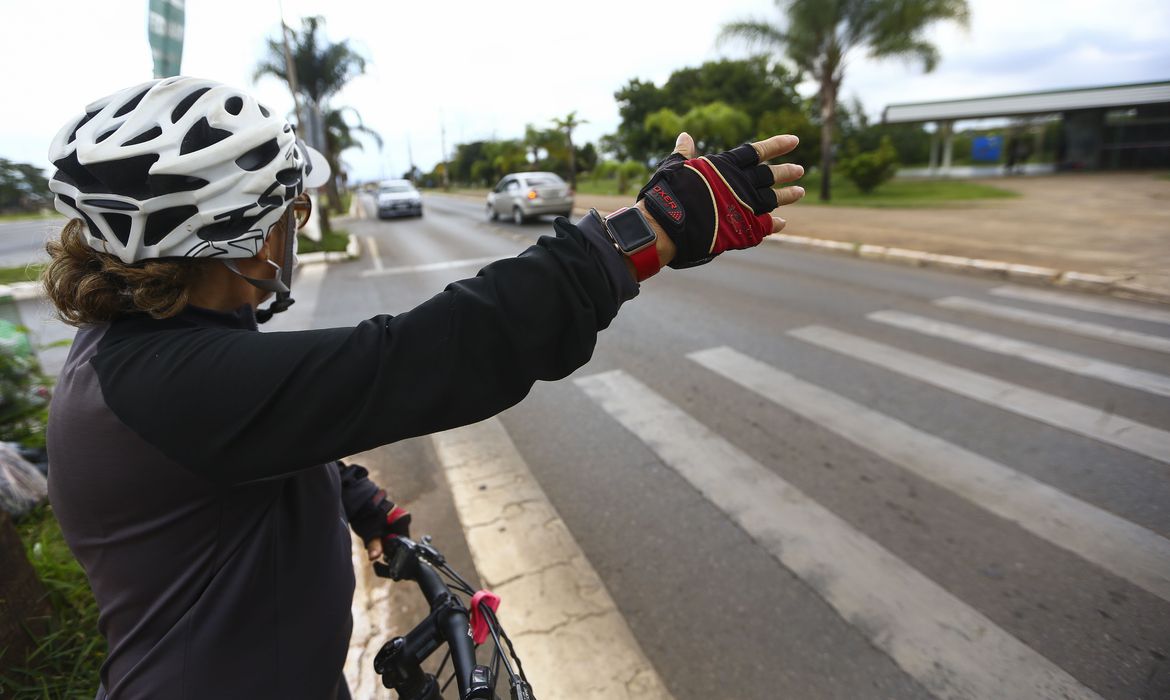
(986, 149)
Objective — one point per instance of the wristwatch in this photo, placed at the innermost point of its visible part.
(634, 238)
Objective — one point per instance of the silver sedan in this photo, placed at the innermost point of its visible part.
(521, 196)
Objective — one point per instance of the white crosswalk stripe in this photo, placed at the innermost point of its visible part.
(1117, 545)
(950, 648)
(1067, 361)
(1062, 413)
(1059, 323)
(1083, 303)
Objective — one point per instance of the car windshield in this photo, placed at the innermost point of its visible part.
(397, 188)
(536, 180)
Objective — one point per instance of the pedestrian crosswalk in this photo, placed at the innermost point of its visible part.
(946, 644)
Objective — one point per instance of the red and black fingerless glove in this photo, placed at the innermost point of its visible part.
(711, 204)
(381, 520)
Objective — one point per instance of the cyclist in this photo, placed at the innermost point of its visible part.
(195, 461)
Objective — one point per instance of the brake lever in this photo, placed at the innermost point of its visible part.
(401, 562)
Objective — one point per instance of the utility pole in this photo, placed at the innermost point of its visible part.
(291, 69)
(443, 142)
(410, 157)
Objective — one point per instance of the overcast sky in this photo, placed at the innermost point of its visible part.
(486, 69)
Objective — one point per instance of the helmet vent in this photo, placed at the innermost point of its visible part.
(71, 172)
(111, 204)
(145, 136)
(233, 105)
(200, 136)
(259, 156)
(120, 225)
(93, 229)
(170, 184)
(86, 118)
(162, 222)
(264, 111)
(126, 176)
(107, 135)
(185, 104)
(289, 176)
(125, 109)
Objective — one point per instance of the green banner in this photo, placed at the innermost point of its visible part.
(164, 28)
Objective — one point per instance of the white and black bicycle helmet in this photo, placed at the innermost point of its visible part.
(179, 167)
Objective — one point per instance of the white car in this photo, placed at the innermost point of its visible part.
(521, 196)
(398, 198)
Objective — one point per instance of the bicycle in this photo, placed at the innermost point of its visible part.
(450, 622)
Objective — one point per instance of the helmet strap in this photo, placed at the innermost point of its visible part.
(281, 283)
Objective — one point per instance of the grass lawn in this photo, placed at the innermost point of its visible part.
(24, 216)
(606, 186)
(330, 242)
(913, 194)
(67, 659)
(896, 193)
(23, 273)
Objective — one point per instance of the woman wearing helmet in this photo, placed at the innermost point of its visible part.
(195, 461)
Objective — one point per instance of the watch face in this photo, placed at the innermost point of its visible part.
(629, 230)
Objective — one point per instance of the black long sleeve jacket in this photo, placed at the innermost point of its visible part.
(193, 459)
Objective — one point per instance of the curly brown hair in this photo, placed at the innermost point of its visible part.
(88, 286)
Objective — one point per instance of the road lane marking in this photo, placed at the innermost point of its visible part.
(374, 255)
(1060, 323)
(953, 650)
(1100, 306)
(428, 267)
(567, 629)
(1059, 359)
(1122, 548)
(1062, 413)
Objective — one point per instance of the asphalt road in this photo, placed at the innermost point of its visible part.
(992, 507)
(808, 476)
(22, 242)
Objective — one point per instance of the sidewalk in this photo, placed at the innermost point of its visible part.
(1116, 225)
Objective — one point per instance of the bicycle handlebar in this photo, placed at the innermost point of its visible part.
(399, 661)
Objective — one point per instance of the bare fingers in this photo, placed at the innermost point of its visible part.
(788, 172)
(788, 195)
(775, 146)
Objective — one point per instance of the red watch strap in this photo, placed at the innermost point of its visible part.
(646, 262)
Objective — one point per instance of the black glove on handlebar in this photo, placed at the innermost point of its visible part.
(381, 520)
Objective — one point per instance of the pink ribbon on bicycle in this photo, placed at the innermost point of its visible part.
(479, 623)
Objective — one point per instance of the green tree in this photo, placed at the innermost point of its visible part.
(322, 69)
(751, 86)
(818, 36)
(715, 127)
(23, 187)
(538, 141)
(566, 125)
(795, 121)
(340, 136)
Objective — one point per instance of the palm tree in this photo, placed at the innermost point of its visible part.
(819, 36)
(566, 126)
(341, 136)
(321, 69)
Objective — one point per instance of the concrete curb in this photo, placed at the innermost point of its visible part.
(1080, 281)
(574, 641)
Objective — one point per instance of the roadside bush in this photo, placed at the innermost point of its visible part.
(24, 390)
(869, 169)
